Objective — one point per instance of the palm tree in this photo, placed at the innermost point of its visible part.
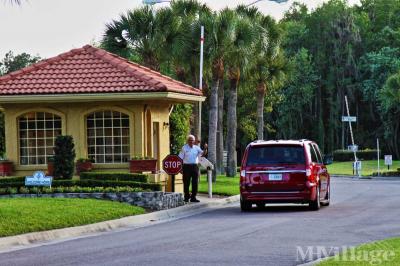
(268, 66)
(186, 52)
(219, 38)
(143, 35)
(237, 59)
(186, 47)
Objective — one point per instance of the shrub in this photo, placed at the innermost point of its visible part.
(390, 173)
(47, 190)
(3, 191)
(11, 190)
(109, 190)
(23, 190)
(12, 179)
(58, 190)
(90, 183)
(34, 190)
(64, 157)
(114, 176)
(345, 155)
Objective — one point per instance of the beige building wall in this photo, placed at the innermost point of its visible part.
(146, 119)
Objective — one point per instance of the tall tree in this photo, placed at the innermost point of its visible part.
(218, 41)
(13, 62)
(185, 55)
(143, 35)
(238, 56)
(389, 99)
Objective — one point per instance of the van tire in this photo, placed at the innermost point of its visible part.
(245, 205)
(315, 204)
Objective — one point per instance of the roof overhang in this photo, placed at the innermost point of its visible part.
(90, 97)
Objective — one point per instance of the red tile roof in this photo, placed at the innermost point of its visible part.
(88, 70)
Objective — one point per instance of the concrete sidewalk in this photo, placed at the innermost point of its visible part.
(126, 223)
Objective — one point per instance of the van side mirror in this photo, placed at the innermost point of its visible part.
(328, 159)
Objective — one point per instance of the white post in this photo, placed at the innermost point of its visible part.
(200, 78)
(351, 134)
(377, 145)
(201, 58)
(209, 180)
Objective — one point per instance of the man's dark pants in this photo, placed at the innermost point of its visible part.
(190, 174)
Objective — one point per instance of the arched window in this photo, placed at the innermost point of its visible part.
(37, 132)
(108, 137)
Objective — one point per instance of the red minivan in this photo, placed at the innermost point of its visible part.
(284, 171)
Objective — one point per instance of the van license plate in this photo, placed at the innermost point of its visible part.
(275, 177)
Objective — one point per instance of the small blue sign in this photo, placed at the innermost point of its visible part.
(39, 179)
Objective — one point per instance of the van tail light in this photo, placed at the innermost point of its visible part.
(310, 179)
(242, 176)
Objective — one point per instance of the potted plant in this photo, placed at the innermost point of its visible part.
(6, 167)
(50, 166)
(84, 165)
(140, 164)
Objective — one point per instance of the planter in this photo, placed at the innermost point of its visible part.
(140, 166)
(86, 166)
(50, 169)
(6, 168)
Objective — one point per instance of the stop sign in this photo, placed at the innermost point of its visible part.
(172, 164)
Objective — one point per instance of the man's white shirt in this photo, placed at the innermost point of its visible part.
(190, 155)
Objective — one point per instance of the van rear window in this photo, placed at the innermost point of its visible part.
(260, 155)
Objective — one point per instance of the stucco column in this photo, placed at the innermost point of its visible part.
(11, 135)
(137, 132)
(75, 127)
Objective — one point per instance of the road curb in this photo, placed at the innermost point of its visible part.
(26, 240)
(385, 178)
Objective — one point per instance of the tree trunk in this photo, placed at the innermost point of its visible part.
(261, 89)
(232, 124)
(212, 124)
(220, 132)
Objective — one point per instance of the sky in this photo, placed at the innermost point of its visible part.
(50, 27)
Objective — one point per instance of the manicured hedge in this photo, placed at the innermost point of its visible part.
(114, 176)
(89, 183)
(390, 173)
(345, 155)
(74, 189)
(12, 179)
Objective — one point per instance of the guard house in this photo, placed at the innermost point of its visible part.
(113, 108)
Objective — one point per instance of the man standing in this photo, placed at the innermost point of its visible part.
(190, 155)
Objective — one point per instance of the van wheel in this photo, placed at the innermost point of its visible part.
(327, 200)
(245, 205)
(315, 204)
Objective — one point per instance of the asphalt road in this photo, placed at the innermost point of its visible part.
(360, 211)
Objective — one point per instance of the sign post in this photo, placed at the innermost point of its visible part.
(209, 166)
(377, 150)
(388, 160)
(351, 119)
(172, 165)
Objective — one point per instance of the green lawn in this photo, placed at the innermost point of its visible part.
(385, 253)
(368, 167)
(20, 215)
(227, 186)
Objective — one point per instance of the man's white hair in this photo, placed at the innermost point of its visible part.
(191, 137)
